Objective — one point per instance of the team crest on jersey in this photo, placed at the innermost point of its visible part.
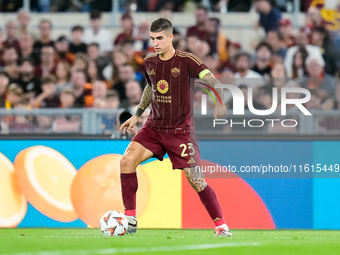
(175, 72)
(162, 86)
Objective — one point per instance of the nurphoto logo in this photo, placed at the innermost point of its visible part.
(238, 97)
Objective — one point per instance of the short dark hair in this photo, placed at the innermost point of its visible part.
(95, 14)
(217, 20)
(127, 42)
(4, 73)
(322, 31)
(161, 24)
(10, 47)
(277, 32)
(93, 44)
(27, 59)
(62, 38)
(242, 54)
(266, 45)
(77, 28)
(47, 46)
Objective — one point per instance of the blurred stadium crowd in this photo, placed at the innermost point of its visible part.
(141, 5)
(93, 68)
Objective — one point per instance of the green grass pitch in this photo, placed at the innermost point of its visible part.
(167, 241)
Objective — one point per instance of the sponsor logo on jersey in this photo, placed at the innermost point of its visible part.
(162, 86)
(175, 72)
(152, 72)
(163, 99)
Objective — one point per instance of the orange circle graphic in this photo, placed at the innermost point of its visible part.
(45, 177)
(13, 205)
(96, 189)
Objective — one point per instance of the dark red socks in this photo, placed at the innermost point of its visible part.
(211, 204)
(129, 184)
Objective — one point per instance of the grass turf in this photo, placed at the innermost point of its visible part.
(91, 241)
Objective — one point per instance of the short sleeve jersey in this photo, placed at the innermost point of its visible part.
(171, 105)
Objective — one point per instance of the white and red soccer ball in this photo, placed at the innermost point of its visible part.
(113, 223)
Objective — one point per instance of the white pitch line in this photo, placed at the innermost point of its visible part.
(139, 249)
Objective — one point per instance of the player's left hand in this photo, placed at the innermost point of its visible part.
(129, 124)
(220, 111)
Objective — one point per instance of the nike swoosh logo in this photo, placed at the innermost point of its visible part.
(133, 225)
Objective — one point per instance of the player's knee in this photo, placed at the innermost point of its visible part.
(127, 165)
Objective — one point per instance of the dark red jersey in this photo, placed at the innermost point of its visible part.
(171, 105)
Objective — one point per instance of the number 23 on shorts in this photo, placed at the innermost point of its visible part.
(185, 147)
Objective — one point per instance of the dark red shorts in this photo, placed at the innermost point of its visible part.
(182, 149)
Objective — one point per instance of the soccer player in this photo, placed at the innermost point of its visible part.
(169, 128)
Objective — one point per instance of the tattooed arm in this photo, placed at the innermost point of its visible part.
(143, 104)
(220, 110)
(145, 101)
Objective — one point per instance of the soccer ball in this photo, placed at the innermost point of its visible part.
(113, 223)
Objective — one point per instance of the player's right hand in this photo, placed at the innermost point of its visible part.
(129, 124)
(220, 111)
